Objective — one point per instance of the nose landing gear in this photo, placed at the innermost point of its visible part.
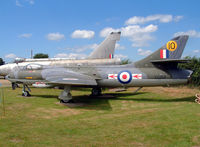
(25, 92)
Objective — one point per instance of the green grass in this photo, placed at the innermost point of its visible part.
(152, 117)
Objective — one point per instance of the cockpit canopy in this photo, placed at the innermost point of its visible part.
(19, 60)
(33, 66)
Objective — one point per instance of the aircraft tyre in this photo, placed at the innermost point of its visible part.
(68, 101)
(65, 96)
(96, 91)
(26, 94)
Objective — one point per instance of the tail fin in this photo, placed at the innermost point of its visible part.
(172, 51)
(106, 49)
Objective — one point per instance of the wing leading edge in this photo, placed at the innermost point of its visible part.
(66, 77)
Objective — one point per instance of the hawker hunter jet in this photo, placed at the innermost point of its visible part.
(103, 54)
(158, 69)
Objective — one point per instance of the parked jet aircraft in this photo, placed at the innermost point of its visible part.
(101, 55)
(158, 69)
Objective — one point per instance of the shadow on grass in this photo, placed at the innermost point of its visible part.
(83, 102)
(184, 99)
(91, 103)
(127, 94)
(102, 102)
(44, 96)
(142, 99)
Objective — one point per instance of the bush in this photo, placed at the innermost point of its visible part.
(1, 61)
(40, 55)
(194, 65)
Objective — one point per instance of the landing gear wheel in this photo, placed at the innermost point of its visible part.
(65, 102)
(65, 96)
(26, 94)
(96, 92)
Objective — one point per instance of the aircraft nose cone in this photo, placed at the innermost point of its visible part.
(3, 70)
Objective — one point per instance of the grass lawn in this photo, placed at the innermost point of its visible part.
(157, 116)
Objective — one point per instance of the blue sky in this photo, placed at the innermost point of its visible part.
(63, 28)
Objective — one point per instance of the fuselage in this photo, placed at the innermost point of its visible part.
(111, 75)
(8, 68)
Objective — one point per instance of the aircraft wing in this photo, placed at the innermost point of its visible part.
(67, 77)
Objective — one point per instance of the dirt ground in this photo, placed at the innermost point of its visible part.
(5, 83)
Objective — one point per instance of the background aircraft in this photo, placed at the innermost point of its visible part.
(158, 69)
(103, 54)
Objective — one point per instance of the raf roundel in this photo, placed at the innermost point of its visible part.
(124, 77)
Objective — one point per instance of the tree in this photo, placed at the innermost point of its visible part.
(125, 61)
(40, 55)
(1, 61)
(194, 65)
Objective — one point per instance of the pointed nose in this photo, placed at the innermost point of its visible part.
(5, 70)
(2, 71)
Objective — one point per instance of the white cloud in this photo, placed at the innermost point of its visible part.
(139, 35)
(11, 56)
(178, 18)
(18, 3)
(191, 33)
(55, 36)
(136, 34)
(70, 56)
(86, 47)
(144, 52)
(26, 35)
(32, 2)
(196, 51)
(82, 48)
(120, 56)
(85, 34)
(135, 29)
(163, 18)
(119, 47)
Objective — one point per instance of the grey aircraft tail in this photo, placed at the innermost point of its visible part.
(169, 53)
(106, 49)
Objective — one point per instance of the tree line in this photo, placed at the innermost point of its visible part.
(36, 56)
(193, 65)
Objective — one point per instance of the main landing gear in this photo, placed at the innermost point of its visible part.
(65, 96)
(137, 90)
(26, 92)
(96, 91)
(14, 86)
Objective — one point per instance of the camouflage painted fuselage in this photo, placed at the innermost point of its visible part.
(105, 76)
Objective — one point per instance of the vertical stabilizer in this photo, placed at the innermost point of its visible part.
(172, 50)
(106, 49)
